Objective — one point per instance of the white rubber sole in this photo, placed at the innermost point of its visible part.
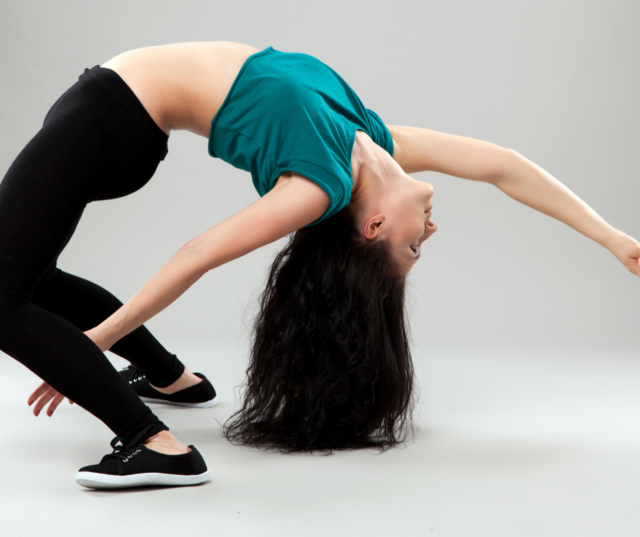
(92, 480)
(206, 404)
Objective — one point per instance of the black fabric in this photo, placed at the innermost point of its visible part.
(199, 393)
(140, 437)
(141, 460)
(141, 429)
(97, 142)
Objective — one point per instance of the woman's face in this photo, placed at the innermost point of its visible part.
(408, 221)
(400, 213)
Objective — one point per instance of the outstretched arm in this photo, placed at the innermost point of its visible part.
(423, 150)
(292, 204)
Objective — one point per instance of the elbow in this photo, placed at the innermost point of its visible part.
(504, 161)
(189, 245)
(196, 256)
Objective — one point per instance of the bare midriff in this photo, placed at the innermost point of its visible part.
(182, 86)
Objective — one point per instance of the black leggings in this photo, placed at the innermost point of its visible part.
(97, 142)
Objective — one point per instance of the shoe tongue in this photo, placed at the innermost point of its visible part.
(117, 443)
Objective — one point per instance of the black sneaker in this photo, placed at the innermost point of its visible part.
(202, 395)
(143, 467)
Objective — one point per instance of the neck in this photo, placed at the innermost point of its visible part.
(369, 168)
(356, 164)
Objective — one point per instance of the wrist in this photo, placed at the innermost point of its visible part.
(612, 238)
(103, 336)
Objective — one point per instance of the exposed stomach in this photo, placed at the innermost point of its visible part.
(183, 85)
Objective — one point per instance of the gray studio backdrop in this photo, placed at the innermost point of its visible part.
(557, 80)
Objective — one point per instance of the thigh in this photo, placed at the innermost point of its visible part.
(42, 197)
(94, 144)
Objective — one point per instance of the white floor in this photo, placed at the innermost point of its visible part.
(515, 444)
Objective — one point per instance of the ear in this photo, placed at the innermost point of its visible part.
(373, 226)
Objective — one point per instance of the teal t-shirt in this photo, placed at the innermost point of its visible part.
(291, 112)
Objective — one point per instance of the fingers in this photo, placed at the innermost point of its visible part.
(44, 399)
(40, 390)
(58, 398)
(43, 395)
(633, 265)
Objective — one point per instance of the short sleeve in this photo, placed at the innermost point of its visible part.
(379, 132)
(336, 185)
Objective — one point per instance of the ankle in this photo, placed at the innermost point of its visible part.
(165, 442)
(186, 380)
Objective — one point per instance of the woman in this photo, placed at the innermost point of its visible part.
(330, 365)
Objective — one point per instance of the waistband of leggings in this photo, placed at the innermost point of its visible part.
(113, 92)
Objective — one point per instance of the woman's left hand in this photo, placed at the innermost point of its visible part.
(627, 251)
(43, 394)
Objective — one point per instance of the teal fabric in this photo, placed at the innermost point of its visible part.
(291, 112)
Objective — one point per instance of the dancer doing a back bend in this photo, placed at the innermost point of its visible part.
(330, 365)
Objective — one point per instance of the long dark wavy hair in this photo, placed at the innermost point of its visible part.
(330, 365)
